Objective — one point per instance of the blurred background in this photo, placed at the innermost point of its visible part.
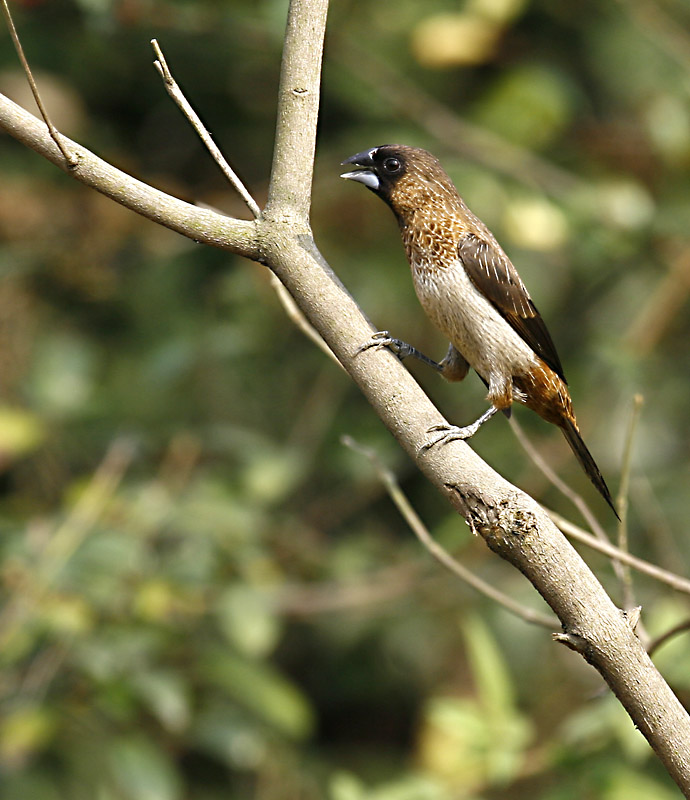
(204, 593)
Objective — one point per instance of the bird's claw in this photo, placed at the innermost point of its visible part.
(448, 433)
(379, 340)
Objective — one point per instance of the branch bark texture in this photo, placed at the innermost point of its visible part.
(511, 523)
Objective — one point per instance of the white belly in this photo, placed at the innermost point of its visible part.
(474, 326)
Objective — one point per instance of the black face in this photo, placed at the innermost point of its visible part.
(379, 168)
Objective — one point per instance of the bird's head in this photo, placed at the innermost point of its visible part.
(407, 178)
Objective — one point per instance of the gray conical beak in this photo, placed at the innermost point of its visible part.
(365, 174)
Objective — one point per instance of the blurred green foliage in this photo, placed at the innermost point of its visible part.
(203, 593)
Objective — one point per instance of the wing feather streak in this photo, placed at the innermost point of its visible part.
(492, 272)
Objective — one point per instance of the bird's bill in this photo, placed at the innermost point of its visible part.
(365, 174)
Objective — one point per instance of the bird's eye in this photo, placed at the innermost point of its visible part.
(392, 165)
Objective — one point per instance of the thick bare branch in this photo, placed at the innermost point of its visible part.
(511, 523)
(289, 191)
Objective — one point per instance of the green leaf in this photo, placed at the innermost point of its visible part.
(248, 620)
(26, 784)
(346, 786)
(20, 432)
(261, 689)
(63, 374)
(507, 731)
(143, 771)
(494, 686)
(167, 695)
(23, 732)
(226, 733)
(478, 739)
(529, 105)
(270, 476)
(631, 785)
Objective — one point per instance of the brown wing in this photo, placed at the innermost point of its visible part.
(492, 272)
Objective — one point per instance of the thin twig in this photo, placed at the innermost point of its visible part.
(573, 531)
(297, 317)
(68, 536)
(71, 159)
(653, 518)
(660, 27)
(662, 306)
(329, 597)
(655, 644)
(576, 499)
(422, 533)
(175, 92)
(622, 499)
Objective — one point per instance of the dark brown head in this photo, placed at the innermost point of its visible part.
(407, 178)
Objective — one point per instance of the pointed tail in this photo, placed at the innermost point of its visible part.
(583, 455)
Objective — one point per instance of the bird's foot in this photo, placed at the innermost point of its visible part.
(382, 339)
(449, 433)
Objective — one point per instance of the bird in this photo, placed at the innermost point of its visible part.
(473, 294)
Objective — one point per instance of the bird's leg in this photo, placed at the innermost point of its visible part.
(449, 433)
(401, 349)
(453, 367)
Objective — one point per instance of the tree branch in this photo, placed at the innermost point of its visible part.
(510, 522)
(623, 498)
(200, 224)
(289, 191)
(676, 582)
(420, 530)
(173, 89)
(70, 159)
(552, 476)
(682, 627)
